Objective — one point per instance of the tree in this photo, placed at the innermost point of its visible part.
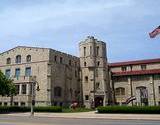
(7, 88)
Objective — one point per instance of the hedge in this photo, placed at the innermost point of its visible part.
(130, 109)
(8, 109)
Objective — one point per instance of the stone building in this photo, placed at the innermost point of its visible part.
(56, 74)
(88, 79)
(140, 79)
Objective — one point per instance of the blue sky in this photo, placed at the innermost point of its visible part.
(61, 24)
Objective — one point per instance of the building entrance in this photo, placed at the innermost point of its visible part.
(142, 96)
(98, 101)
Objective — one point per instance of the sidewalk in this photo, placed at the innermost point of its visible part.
(93, 114)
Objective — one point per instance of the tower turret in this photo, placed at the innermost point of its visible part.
(94, 69)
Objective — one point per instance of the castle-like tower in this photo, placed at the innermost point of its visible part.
(94, 70)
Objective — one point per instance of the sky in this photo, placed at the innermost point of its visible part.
(61, 24)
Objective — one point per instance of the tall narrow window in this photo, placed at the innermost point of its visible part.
(123, 68)
(18, 59)
(70, 62)
(85, 63)
(28, 71)
(75, 73)
(8, 61)
(90, 50)
(55, 58)
(17, 72)
(28, 58)
(57, 91)
(86, 78)
(8, 73)
(17, 89)
(61, 60)
(98, 63)
(143, 67)
(24, 89)
(84, 51)
(97, 51)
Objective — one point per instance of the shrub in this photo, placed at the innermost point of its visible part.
(130, 109)
(8, 109)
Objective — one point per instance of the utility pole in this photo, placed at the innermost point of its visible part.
(33, 96)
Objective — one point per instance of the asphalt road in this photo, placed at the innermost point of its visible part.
(23, 120)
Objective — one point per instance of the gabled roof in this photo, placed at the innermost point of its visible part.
(136, 62)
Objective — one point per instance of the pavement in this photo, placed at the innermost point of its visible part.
(92, 115)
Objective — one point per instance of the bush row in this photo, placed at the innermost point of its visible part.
(130, 109)
(7, 109)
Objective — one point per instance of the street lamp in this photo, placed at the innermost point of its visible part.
(32, 96)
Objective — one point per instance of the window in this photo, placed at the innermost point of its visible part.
(85, 63)
(75, 73)
(97, 51)
(86, 78)
(18, 59)
(84, 51)
(5, 104)
(98, 63)
(28, 71)
(0, 103)
(8, 73)
(70, 62)
(15, 103)
(120, 91)
(90, 50)
(22, 103)
(143, 67)
(55, 58)
(97, 85)
(8, 61)
(57, 91)
(159, 89)
(28, 58)
(17, 89)
(61, 60)
(24, 89)
(86, 97)
(75, 64)
(17, 72)
(123, 68)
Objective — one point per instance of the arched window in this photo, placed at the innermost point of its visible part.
(18, 59)
(120, 91)
(8, 61)
(28, 58)
(57, 91)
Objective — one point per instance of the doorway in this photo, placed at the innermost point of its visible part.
(98, 101)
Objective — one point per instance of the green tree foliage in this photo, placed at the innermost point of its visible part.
(7, 88)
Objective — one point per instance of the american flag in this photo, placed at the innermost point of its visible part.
(155, 32)
(130, 99)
